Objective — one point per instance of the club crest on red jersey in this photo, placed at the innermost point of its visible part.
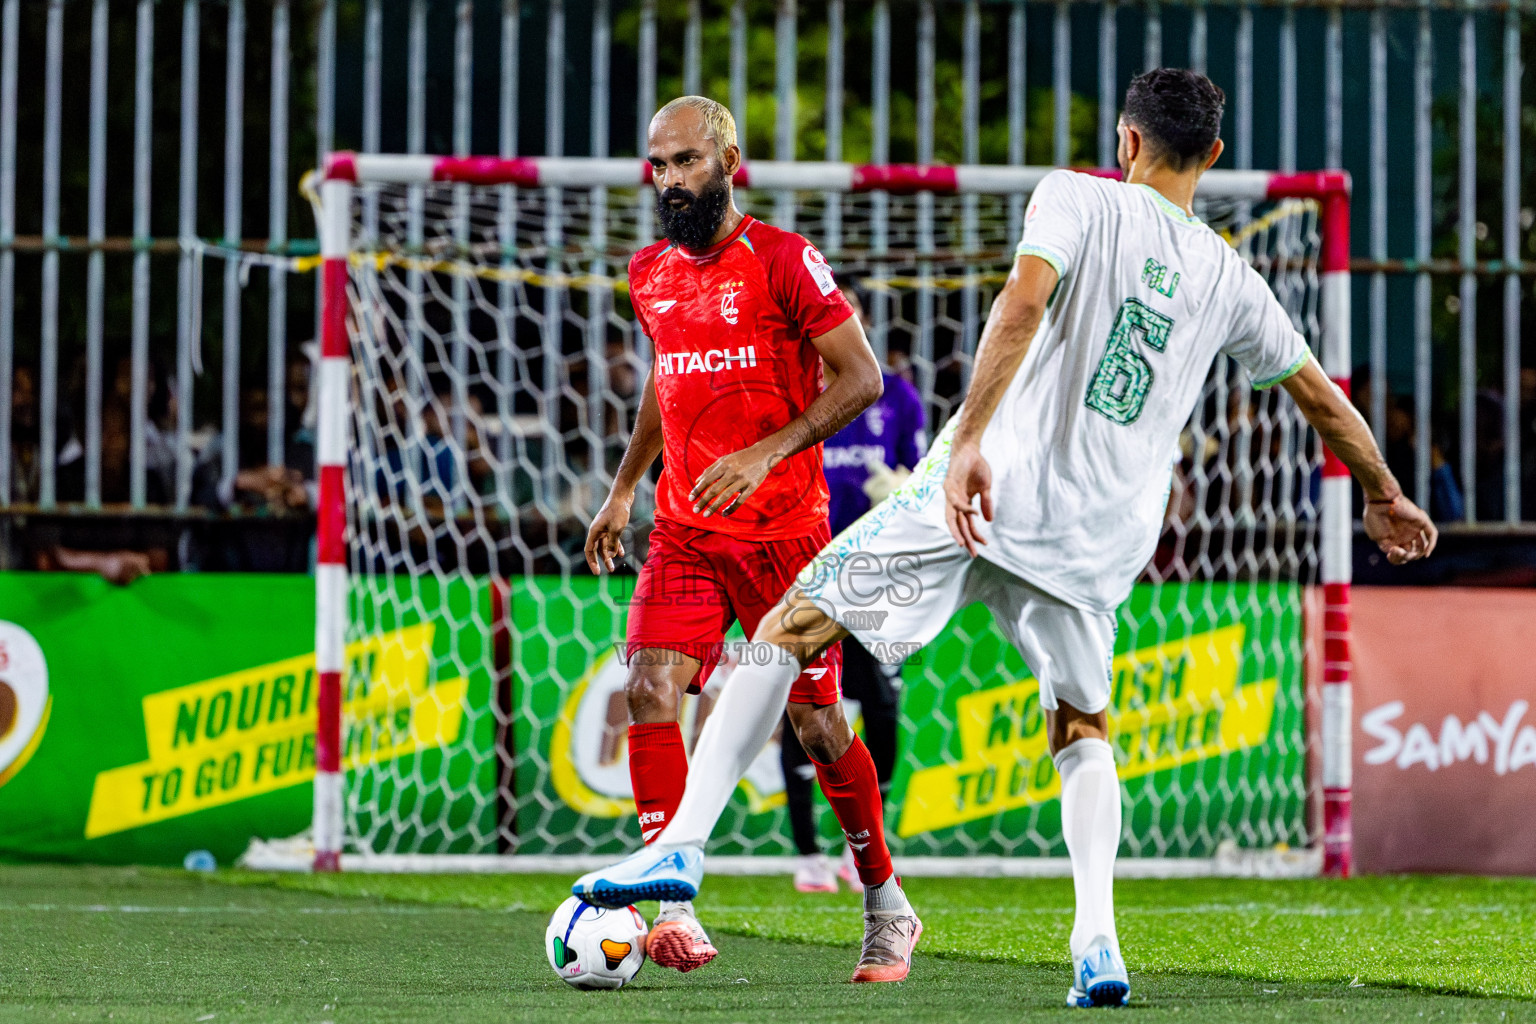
(816, 263)
(728, 308)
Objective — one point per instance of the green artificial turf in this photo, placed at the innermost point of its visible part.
(148, 945)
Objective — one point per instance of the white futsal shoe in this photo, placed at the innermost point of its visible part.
(1099, 977)
(815, 874)
(848, 871)
(648, 874)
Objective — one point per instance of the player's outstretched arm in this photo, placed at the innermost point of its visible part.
(1011, 325)
(604, 538)
(1399, 527)
(856, 384)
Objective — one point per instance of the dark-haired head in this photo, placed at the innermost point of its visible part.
(1177, 114)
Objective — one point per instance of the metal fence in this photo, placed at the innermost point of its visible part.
(1425, 103)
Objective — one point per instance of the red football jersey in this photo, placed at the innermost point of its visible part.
(731, 328)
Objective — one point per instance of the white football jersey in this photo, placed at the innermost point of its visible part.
(1084, 440)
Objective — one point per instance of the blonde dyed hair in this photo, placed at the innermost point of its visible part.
(718, 122)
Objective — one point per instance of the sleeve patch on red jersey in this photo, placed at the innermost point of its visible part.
(816, 263)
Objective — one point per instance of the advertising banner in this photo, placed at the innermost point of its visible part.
(1445, 738)
(139, 723)
(1206, 717)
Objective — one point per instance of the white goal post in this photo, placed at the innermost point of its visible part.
(476, 382)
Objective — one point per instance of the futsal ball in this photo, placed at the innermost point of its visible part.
(590, 947)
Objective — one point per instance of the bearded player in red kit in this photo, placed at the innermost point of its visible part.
(742, 316)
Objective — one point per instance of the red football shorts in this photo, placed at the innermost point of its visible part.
(695, 582)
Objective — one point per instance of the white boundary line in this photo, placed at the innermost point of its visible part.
(1230, 863)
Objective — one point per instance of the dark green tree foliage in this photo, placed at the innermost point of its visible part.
(858, 105)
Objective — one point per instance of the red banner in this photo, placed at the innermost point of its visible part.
(1445, 731)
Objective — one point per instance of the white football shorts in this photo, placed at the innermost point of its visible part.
(896, 576)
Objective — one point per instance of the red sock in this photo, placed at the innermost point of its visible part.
(853, 790)
(658, 771)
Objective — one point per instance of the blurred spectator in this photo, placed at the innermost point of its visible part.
(301, 412)
(1528, 442)
(25, 463)
(624, 378)
(121, 549)
(277, 498)
(1445, 495)
(419, 470)
(24, 466)
(256, 487)
(442, 425)
(1239, 507)
(117, 428)
(26, 446)
(1489, 487)
(1491, 449)
(874, 454)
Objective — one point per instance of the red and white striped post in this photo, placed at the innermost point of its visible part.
(1337, 542)
(331, 529)
(1336, 525)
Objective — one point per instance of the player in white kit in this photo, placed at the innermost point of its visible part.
(1045, 496)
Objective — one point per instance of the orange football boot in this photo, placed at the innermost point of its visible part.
(680, 942)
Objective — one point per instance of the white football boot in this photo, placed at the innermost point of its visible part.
(815, 874)
(648, 874)
(848, 871)
(1099, 977)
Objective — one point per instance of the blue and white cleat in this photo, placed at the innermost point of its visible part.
(1099, 977)
(649, 874)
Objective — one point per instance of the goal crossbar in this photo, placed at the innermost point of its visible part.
(344, 172)
(797, 176)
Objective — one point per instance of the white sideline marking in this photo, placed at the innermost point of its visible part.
(1122, 909)
(97, 908)
(1237, 864)
(712, 910)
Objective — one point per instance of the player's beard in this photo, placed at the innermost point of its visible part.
(694, 226)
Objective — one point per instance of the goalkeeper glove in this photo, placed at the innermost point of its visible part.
(882, 481)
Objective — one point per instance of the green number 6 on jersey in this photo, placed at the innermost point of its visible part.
(1120, 384)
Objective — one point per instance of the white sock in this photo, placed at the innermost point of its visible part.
(887, 897)
(1090, 821)
(743, 719)
(678, 908)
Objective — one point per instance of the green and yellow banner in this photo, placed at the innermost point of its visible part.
(1176, 703)
(252, 732)
(1205, 715)
(178, 713)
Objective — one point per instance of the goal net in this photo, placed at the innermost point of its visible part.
(482, 376)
